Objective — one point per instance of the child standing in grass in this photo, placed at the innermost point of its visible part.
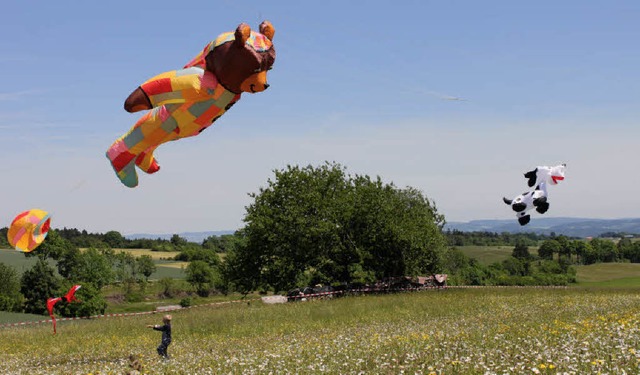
(166, 335)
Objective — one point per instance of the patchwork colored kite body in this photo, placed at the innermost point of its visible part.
(185, 102)
(537, 199)
(28, 230)
(69, 297)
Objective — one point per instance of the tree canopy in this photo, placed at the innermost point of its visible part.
(321, 225)
(10, 297)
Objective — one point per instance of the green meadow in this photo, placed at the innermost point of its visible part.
(609, 275)
(452, 331)
(11, 317)
(489, 254)
(18, 260)
(591, 327)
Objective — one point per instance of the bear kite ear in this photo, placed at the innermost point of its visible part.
(242, 34)
(267, 29)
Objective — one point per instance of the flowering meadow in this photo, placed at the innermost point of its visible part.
(452, 331)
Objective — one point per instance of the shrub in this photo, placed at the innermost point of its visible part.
(168, 287)
(10, 297)
(90, 301)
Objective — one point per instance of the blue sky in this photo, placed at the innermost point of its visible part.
(365, 84)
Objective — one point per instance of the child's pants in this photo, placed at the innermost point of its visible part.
(162, 349)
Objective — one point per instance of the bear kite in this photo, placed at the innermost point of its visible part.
(185, 102)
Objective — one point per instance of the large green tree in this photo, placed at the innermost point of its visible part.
(634, 252)
(88, 266)
(114, 239)
(567, 247)
(607, 250)
(581, 247)
(521, 251)
(90, 301)
(201, 276)
(54, 246)
(321, 225)
(146, 266)
(10, 297)
(4, 242)
(220, 244)
(178, 241)
(37, 285)
(548, 248)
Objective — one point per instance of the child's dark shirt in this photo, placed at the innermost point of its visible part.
(166, 332)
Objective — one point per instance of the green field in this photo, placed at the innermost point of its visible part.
(452, 331)
(490, 254)
(9, 317)
(165, 268)
(155, 255)
(609, 274)
(18, 260)
(172, 269)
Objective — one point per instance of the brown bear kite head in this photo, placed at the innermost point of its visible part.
(240, 60)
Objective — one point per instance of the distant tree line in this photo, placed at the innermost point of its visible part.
(522, 268)
(618, 235)
(115, 240)
(596, 250)
(459, 238)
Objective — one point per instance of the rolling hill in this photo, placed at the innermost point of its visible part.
(568, 226)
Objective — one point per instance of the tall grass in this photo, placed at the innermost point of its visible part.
(491, 330)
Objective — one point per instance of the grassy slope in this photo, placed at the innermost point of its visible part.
(609, 274)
